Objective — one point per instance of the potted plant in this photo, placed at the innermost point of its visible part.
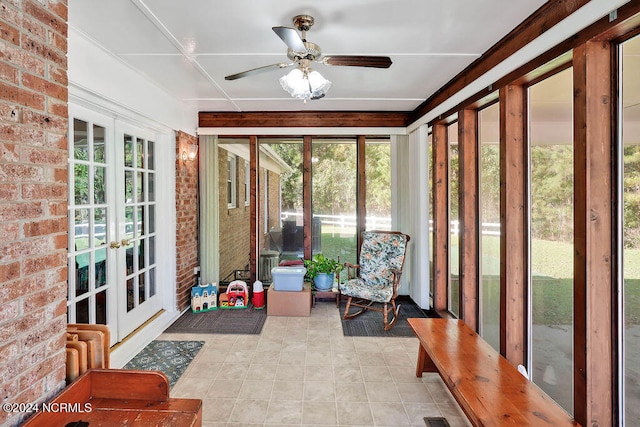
(321, 271)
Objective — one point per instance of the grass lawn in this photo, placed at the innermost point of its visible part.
(552, 267)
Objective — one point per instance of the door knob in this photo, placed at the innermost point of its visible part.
(125, 242)
(114, 245)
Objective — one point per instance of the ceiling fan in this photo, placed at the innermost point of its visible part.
(303, 82)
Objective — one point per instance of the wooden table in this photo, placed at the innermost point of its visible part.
(489, 389)
(118, 397)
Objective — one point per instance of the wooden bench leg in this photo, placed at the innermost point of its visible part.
(425, 364)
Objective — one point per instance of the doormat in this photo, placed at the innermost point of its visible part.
(436, 422)
(370, 324)
(247, 321)
(170, 357)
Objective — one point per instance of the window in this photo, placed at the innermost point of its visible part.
(489, 125)
(454, 220)
(231, 181)
(551, 235)
(247, 182)
(630, 158)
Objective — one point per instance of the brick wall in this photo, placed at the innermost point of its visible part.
(33, 200)
(234, 223)
(186, 220)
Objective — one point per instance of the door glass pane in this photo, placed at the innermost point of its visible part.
(152, 281)
(99, 155)
(152, 219)
(130, 295)
(151, 178)
(100, 226)
(378, 176)
(128, 151)
(81, 184)
(140, 187)
(80, 143)
(99, 196)
(128, 186)
(454, 218)
(631, 229)
(140, 152)
(82, 311)
(82, 273)
(489, 125)
(551, 250)
(129, 225)
(101, 267)
(151, 152)
(101, 308)
(333, 179)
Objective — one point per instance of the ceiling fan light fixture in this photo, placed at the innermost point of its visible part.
(301, 85)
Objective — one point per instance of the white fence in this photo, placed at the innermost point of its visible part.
(347, 223)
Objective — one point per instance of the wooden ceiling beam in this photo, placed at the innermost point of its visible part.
(284, 119)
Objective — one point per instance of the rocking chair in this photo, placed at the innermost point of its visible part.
(381, 260)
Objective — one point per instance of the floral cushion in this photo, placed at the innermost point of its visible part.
(360, 289)
(380, 254)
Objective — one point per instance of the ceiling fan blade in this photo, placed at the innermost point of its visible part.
(358, 61)
(256, 71)
(291, 38)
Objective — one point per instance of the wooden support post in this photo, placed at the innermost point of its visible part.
(254, 206)
(361, 195)
(441, 225)
(513, 225)
(469, 217)
(594, 290)
(307, 212)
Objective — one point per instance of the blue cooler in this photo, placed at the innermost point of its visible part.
(288, 278)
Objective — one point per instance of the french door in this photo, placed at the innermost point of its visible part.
(112, 223)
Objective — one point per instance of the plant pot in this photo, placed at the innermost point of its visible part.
(324, 281)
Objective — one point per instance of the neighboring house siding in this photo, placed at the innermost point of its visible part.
(186, 220)
(33, 201)
(234, 222)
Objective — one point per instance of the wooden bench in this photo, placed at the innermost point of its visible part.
(118, 397)
(490, 390)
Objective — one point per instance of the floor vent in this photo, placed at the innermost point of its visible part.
(436, 422)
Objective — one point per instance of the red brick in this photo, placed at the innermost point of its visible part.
(9, 192)
(8, 73)
(9, 231)
(35, 246)
(47, 18)
(57, 41)
(60, 8)
(9, 33)
(20, 211)
(9, 311)
(61, 176)
(21, 96)
(45, 121)
(15, 55)
(19, 288)
(57, 209)
(45, 227)
(44, 156)
(44, 191)
(43, 263)
(59, 109)
(46, 87)
(39, 335)
(23, 134)
(20, 173)
(9, 271)
(45, 297)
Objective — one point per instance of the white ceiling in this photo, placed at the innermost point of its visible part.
(187, 47)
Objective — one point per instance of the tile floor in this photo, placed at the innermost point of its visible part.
(302, 371)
